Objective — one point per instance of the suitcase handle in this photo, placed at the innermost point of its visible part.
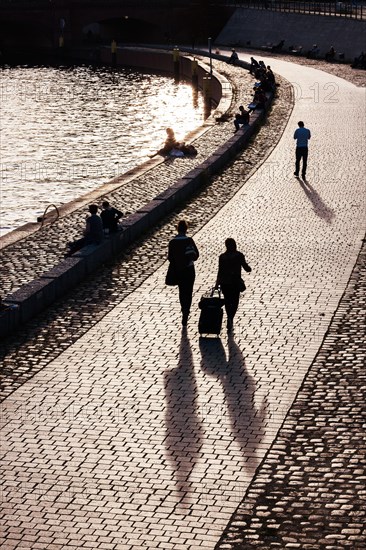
(214, 288)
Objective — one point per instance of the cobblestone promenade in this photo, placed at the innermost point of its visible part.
(141, 435)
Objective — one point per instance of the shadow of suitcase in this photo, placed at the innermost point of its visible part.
(210, 321)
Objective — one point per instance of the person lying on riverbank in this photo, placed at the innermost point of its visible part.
(173, 148)
(93, 232)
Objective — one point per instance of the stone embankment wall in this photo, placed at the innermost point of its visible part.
(259, 27)
(31, 298)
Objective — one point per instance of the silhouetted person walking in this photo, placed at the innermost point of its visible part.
(229, 278)
(182, 254)
(302, 136)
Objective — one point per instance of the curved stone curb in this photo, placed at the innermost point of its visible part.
(31, 298)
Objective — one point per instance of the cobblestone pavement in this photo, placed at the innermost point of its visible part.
(28, 258)
(58, 327)
(140, 436)
(342, 70)
(310, 491)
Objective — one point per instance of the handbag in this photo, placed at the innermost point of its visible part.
(171, 278)
(242, 286)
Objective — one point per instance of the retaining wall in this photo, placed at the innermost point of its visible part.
(259, 27)
(31, 298)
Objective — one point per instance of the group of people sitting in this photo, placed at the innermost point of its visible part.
(266, 83)
(96, 227)
(263, 74)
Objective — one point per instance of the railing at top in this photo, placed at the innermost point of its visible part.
(350, 9)
(353, 9)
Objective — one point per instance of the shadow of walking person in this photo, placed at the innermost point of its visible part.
(184, 429)
(319, 206)
(246, 421)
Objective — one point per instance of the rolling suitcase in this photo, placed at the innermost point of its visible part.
(210, 320)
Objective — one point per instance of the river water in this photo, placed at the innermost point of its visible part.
(66, 131)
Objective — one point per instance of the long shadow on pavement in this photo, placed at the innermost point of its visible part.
(239, 389)
(184, 430)
(319, 206)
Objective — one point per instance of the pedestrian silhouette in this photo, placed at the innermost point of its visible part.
(182, 254)
(229, 279)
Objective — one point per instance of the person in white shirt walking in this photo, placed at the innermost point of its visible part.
(302, 136)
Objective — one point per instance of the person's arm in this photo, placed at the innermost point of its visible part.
(295, 134)
(191, 253)
(244, 264)
(218, 282)
(196, 251)
(170, 251)
(117, 213)
(87, 226)
(309, 134)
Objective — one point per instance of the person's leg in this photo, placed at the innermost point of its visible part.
(304, 161)
(185, 286)
(231, 297)
(297, 163)
(76, 245)
(234, 303)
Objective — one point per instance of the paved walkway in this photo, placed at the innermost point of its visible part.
(309, 493)
(140, 436)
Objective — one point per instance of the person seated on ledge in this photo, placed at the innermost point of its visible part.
(265, 84)
(278, 47)
(241, 118)
(314, 52)
(329, 56)
(259, 100)
(359, 62)
(271, 77)
(234, 58)
(110, 217)
(254, 65)
(93, 232)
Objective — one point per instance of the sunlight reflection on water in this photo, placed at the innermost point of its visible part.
(65, 131)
